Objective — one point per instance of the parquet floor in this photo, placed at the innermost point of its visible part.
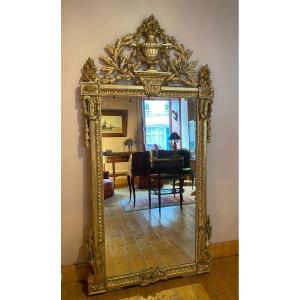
(220, 284)
(146, 238)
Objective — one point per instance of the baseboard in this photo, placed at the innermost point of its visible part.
(79, 272)
(224, 249)
(75, 272)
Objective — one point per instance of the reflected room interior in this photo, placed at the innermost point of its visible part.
(149, 163)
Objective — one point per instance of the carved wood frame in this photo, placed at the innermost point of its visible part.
(92, 88)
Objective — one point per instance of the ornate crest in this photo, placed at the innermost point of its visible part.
(148, 56)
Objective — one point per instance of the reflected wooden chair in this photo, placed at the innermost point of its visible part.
(187, 169)
(163, 169)
(138, 166)
(161, 154)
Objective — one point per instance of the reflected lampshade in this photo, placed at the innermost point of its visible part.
(174, 136)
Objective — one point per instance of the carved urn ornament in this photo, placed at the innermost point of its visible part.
(145, 63)
(148, 53)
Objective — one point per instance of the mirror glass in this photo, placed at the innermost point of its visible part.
(149, 158)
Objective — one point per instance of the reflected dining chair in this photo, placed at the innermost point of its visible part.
(187, 169)
(163, 169)
(138, 166)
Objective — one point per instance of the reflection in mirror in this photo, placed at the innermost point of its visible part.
(149, 182)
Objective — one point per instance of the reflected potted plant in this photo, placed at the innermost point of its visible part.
(129, 143)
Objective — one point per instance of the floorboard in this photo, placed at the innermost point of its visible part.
(147, 238)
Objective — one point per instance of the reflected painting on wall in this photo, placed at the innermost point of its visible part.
(114, 122)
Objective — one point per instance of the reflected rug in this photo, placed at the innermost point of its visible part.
(142, 202)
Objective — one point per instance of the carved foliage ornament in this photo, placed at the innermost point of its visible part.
(148, 49)
(152, 275)
(206, 95)
(89, 71)
(204, 232)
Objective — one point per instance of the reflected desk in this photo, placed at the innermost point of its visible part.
(116, 157)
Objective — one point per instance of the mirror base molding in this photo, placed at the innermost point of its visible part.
(148, 276)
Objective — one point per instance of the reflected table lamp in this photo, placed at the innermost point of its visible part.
(174, 137)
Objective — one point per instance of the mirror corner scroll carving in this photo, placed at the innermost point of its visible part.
(145, 63)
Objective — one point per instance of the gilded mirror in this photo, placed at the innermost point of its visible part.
(149, 181)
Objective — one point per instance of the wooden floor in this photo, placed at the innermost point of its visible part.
(220, 284)
(147, 238)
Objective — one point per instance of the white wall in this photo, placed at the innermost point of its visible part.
(210, 29)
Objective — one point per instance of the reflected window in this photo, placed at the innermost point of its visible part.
(192, 136)
(157, 124)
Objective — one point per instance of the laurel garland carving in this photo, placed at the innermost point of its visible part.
(182, 70)
(126, 56)
(116, 65)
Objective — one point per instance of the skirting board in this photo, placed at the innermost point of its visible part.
(79, 272)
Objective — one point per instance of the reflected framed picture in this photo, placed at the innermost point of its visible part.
(114, 122)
